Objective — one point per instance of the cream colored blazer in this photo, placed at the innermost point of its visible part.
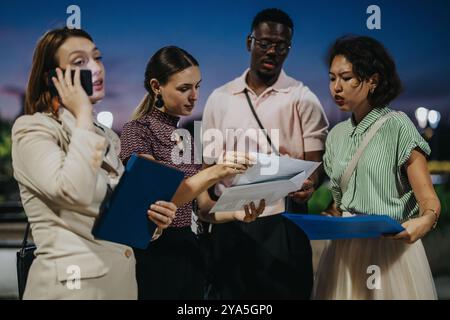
(63, 174)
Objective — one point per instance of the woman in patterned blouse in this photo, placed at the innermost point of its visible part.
(172, 267)
(391, 178)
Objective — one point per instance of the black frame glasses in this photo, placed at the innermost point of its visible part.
(280, 47)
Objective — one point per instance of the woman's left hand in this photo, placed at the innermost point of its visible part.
(422, 186)
(162, 213)
(415, 229)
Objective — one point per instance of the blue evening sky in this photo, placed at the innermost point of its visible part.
(417, 33)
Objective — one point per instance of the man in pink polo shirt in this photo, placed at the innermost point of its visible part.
(269, 258)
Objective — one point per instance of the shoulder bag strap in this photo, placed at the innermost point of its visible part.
(345, 179)
(259, 122)
(25, 237)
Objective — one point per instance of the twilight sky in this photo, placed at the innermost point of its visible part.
(417, 33)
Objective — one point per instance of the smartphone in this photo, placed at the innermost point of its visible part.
(85, 79)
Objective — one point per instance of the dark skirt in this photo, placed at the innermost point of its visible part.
(269, 258)
(171, 268)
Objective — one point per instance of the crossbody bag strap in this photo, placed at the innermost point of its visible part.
(25, 237)
(345, 179)
(259, 122)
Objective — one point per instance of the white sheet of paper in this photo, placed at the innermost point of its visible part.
(274, 168)
(234, 198)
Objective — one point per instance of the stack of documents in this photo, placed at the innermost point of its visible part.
(319, 227)
(271, 178)
(124, 218)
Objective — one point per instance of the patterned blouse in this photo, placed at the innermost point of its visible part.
(152, 134)
(379, 184)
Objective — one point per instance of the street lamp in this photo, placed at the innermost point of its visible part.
(422, 117)
(433, 118)
(106, 118)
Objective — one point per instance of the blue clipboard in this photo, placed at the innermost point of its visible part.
(123, 217)
(319, 227)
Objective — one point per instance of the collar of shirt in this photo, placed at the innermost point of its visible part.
(283, 84)
(160, 116)
(366, 123)
(68, 122)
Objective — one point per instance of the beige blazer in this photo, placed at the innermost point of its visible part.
(62, 176)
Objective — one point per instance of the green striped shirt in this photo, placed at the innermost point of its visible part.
(379, 184)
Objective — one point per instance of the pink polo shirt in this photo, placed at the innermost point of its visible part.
(288, 106)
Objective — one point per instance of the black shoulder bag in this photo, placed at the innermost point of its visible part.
(25, 258)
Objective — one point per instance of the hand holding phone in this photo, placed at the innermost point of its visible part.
(85, 79)
(71, 93)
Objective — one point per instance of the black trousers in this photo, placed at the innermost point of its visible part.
(269, 258)
(171, 268)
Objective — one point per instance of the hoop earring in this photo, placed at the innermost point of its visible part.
(159, 103)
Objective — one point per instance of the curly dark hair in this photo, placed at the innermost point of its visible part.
(368, 57)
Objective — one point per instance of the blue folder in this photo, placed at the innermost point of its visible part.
(319, 227)
(123, 218)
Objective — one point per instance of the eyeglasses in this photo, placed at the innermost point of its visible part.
(280, 47)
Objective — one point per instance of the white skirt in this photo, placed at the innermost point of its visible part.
(374, 268)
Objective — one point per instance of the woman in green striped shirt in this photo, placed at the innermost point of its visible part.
(391, 177)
